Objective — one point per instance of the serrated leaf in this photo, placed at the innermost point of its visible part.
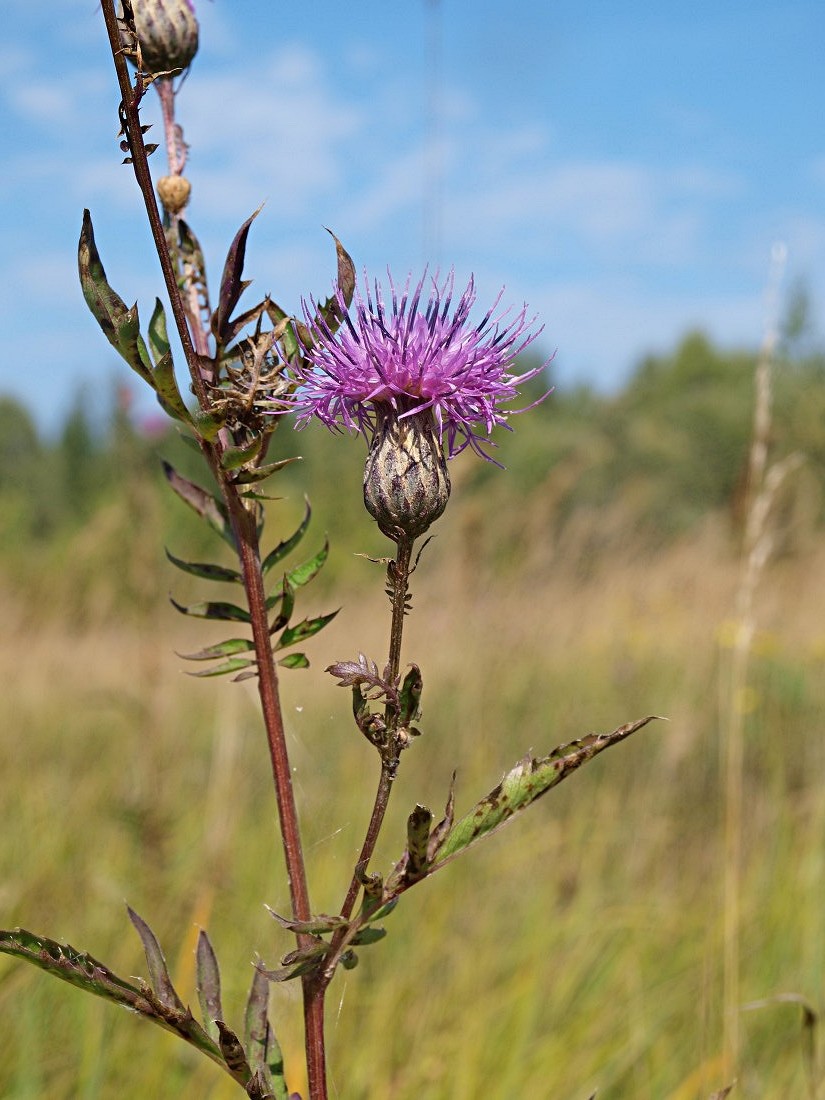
(226, 668)
(213, 609)
(232, 285)
(208, 984)
(304, 630)
(157, 335)
(158, 971)
(304, 573)
(202, 502)
(206, 570)
(294, 660)
(166, 385)
(524, 784)
(85, 972)
(283, 548)
(116, 321)
(222, 649)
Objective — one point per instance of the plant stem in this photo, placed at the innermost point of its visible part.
(246, 537)
(399, 577)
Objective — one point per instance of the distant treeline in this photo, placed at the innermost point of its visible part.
(586, 473)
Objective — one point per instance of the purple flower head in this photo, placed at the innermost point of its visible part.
(415, 356)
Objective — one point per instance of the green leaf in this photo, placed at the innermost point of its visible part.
(297, 963)
(284, 548)
(304, 573)
(222, 649)
(235, 664)
(207, 506)
(410, 696)
(304, 630)
(233, 1052)
(524, 784)
(319, 925)
(208, 424)
(286, 598)
(158, 970)
(213, 609)
(294, 660)
(262, 1048)
(157, 334)
(418, 835)
(367, 936)
(166, 385)
(120, 325)
(209, 984)
(85, 972)
(261, 473)
(235, 457)
(232, 285)
(331, 310)
(194, 265)
(206, 571)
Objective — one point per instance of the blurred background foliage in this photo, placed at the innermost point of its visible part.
(590, 584)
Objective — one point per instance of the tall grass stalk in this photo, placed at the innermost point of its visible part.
(762, 485)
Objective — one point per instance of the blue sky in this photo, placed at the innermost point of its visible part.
(623, 168)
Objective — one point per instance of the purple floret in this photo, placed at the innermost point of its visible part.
(413, 357)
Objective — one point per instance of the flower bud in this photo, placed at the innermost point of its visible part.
(167, 31)
(406, 484)
(173, 192)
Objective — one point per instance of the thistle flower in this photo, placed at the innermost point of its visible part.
(414, 358)
(415, 380)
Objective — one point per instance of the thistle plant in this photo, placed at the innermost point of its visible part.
(422, 381)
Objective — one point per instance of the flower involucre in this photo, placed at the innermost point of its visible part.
(412, 357)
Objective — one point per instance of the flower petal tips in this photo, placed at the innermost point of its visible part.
(412, 356)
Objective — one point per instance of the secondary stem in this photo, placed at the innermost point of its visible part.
(399, 574)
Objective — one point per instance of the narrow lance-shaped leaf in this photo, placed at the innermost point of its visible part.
(262, 1048)
(306, 629)
(235, 457)
(233, 1052)
(232, 285)
(209, 984)
(85, 972)
(304, 573)
(206, 570)
(260, 473)
(117, 322)
(158, 971)
(157, 334)
(294, 660)
(202, 502)
(235, 664)
(524, 784)
(194, 265)
(283, 548)
(213, 609)
(331, 310)
(418, 834)
(166, 385)
(221, 649)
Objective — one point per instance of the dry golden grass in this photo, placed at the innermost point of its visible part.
(580, 949)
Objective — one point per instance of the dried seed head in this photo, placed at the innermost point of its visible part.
(174, 192)
(167, 32)
(406, 484)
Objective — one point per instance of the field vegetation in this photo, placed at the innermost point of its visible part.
(592, 583)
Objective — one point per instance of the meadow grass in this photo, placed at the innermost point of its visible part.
(580, 950)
